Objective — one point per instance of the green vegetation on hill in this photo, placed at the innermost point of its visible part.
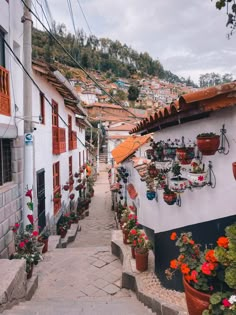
(105, 55)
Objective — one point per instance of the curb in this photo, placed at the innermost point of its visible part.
(58, 242)
(132, 280)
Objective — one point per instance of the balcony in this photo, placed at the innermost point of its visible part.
(5, 103)
(58, 140)
(73, 140)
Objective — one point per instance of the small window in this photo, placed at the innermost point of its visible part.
(56, 175)
(5, 161)
(42, 107)
(70, 174)
(2, 49)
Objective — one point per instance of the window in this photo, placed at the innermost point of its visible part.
(42, 107)
(55, 114)
(2, 49)
(56, 187)
(5, 161)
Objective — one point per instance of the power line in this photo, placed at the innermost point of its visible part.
(44, 14)
(84, 17)
(76, 62)
(36, 85)
(71, 14)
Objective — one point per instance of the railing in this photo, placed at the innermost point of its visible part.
(5, 102)
(73, 140)
(58, 140)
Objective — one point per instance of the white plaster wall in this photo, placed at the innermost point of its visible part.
(43, 143)
(88, 98)
(200, 205)
(10, 23)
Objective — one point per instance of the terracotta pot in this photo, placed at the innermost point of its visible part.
(45, 241)
(63, 233)
(234, 169)
(133, 252)
(185, 155)
(208, 145)
(30, 273)
(170, 199)
(141, 260)
(197, 301)
(125, 236)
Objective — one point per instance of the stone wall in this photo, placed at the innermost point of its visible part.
(11, 200)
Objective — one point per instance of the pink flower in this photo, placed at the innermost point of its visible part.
(29, 194)
(35, 233)
(201, 178)
(26, 241)
(226, 303)
(30, 218)
(17, 225)
(22, 244)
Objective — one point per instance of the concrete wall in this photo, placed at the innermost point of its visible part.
(44, 158)
(11, 193)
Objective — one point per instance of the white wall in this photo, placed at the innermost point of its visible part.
(44, 158)
(10, 23)
(199, 205)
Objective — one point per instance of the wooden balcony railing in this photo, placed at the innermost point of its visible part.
(73, 140)
(58, 140)
(5, 102)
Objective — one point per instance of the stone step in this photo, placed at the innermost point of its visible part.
(96, 306)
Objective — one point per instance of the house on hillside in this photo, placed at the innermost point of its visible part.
(88, 97)
(203, 204)
(11, 124)
(60, 149)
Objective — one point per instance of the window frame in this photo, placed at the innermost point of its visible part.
(5, 166)
(42, 107)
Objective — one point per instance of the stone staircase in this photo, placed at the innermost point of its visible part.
(88, 306)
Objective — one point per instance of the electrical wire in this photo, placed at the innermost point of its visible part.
(76, 62)
(36, 85)
(71, 15)
(86, 21)
(44, 14)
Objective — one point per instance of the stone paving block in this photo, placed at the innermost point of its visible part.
(99, 263)
(111, 278)
(100, 283)
(108, 258)
(108, 268)
(116, 272)
(111, 289)
(89, 290)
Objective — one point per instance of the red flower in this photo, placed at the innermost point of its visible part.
(207, 268)
(200, 178)
(173, 236)
(194, 275)
(30, 218)
(26, 241)
(131, 207)
(226, 303)
(174, 264)
(133, 232)
(130, 216)
(185, 269)
(22, 244)
(29, 194)
(223, 242)
(35, 233)
(191, 242)
(210, 257)
(17, 225)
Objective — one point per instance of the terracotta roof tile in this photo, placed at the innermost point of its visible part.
(128, 147)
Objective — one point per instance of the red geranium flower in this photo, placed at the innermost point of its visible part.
(223, 242)
(226, 303)
(133, 232)
(29, 194)
(30, 218)
(173, 236)
(174, 264)
(35, 233)
(22, 244)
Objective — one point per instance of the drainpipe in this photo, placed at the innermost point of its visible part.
(28, 128)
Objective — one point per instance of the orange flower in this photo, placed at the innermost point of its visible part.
(223, 242)
(173, 236)
(185, 269)
(181, 257)
(194, 275)
(191, 242)
(188, 278)
(174, 264)
(210, 257)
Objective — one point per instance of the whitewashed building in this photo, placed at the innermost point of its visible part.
(11, 123)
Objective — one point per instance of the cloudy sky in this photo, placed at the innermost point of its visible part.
(187, 36)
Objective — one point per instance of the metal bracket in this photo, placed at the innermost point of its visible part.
(178, 200)
(211, 176)
(224, 143)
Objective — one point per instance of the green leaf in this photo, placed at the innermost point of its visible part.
(215, 298)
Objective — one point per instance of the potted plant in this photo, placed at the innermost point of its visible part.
(208, 143)
(170, 148)
(150, 194)
(128, 225)
(66, 187)
(185, 153)
(206, 272)
(74, 217)
(76, 175)
(141, 252)
(57, 197)
(72, 196)
(178, 183)
(197, 177)
(169, 196)
(133, 239)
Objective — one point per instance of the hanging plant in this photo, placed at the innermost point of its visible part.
(169, 196)
(208, 143)
(178, 183)
(197, 176)
(72, 196)
(79, 180)
(76, 175)
(71, 181)
(66, 187)
(150, 195)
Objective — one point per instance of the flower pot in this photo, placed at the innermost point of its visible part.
(234, 169)
(133, 252)
(63, 233)
(197, 180)
(40, 248)
(141, 260)
(150, 195)
(125, 236)
(30, 272)
(185, 155)
(208, 145)
(197, 301)
(45, 241)
(178, 184)
(170, 199)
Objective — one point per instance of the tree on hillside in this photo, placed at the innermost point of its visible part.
(212, 79)
(230, 11)
(133, 93)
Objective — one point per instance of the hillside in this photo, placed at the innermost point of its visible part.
(105, 55)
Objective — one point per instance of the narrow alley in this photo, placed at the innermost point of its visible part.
(85, 277)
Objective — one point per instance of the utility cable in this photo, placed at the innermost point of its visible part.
(84, 17)
(44, 14)
(76, 62)
(36, 85)
(71, 14)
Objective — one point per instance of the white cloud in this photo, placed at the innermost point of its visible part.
(188, 37)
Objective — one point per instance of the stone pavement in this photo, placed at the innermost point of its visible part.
(84, 278)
